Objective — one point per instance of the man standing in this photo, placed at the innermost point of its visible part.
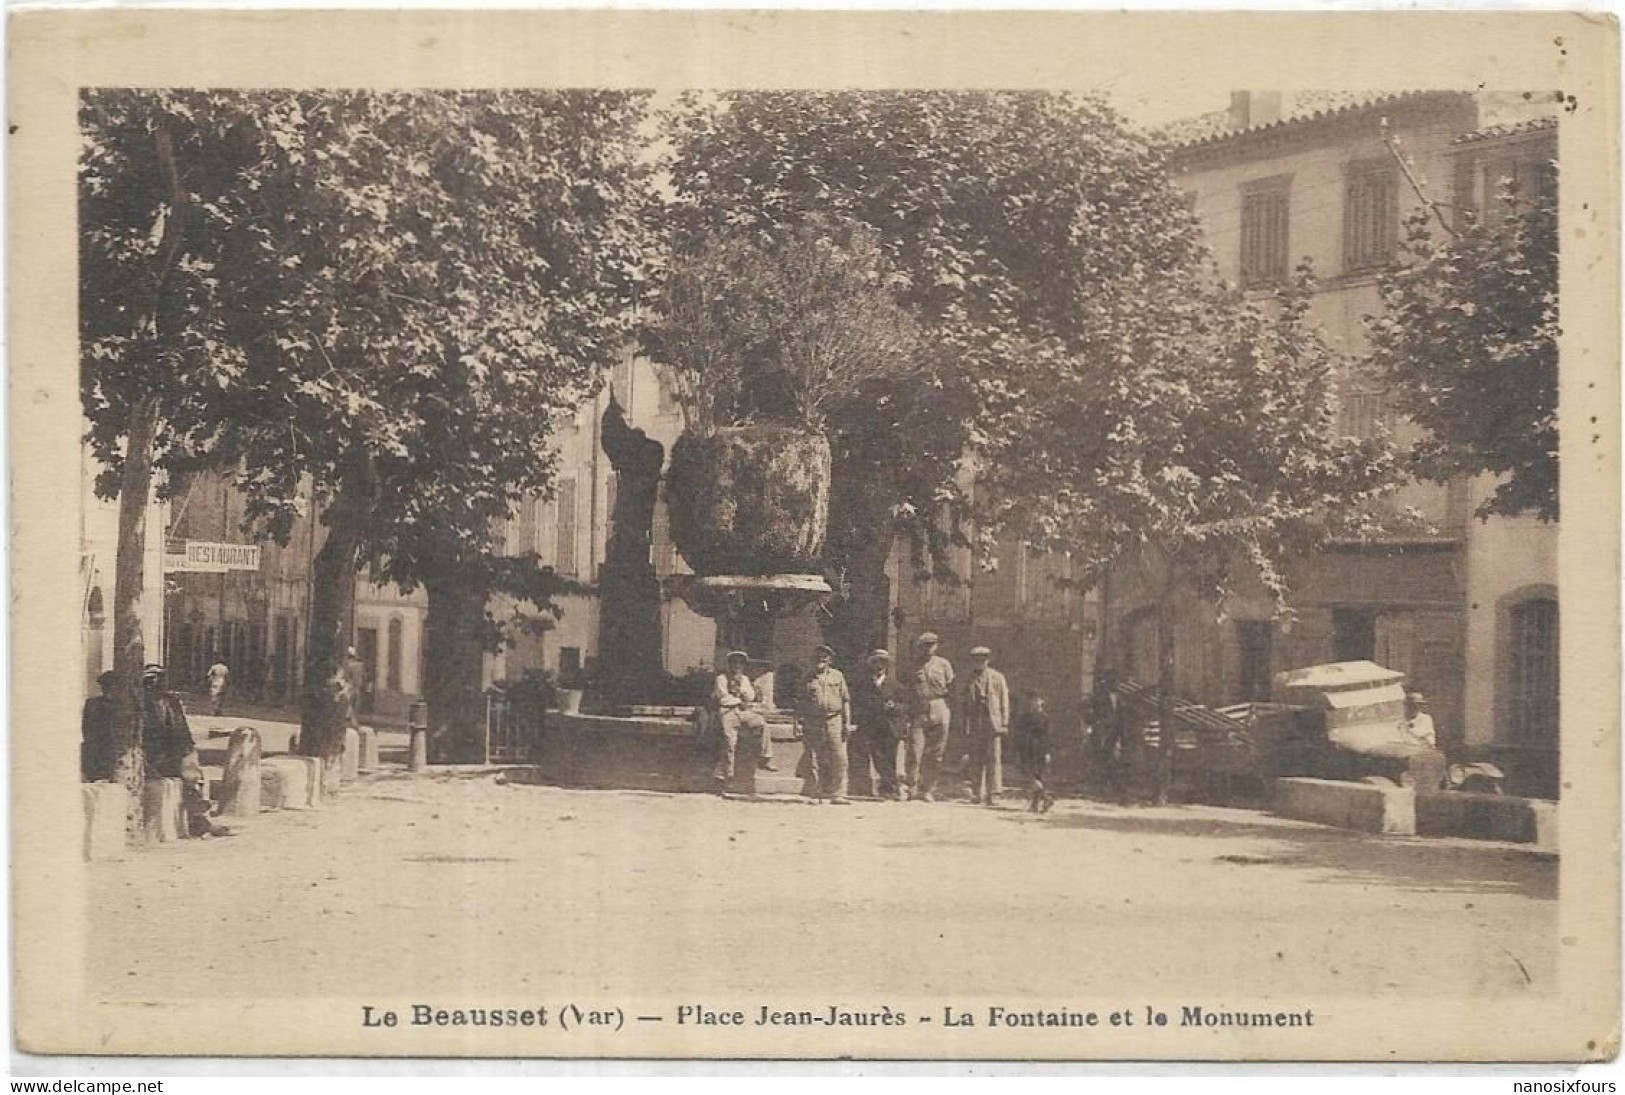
(987, 720)
(219, 672)
(170, 752)
(928, 720)
(826, 719)
(355, 677)
(880, 709)
(735, 696)
(98, 752)
(1105, 719)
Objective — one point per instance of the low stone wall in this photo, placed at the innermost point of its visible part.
(1488, 817)
(655, 754)
(1374, 808)
(1364, 807)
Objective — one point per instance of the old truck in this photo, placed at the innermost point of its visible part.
(1340, 720)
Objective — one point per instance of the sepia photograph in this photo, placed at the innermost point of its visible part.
(589, 545)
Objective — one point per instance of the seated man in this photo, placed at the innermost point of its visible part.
(735, 699)
(170, 752)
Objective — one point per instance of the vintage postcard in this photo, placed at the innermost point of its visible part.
(946, 535)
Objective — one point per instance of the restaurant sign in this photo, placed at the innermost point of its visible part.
(205, 557)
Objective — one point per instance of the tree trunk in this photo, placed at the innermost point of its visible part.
(861, 621)
(324, 712)
(129, 590)
(454, 659)
(135, 493)
(1165, 697)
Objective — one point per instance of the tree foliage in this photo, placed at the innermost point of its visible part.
(163, 269)
(1010, 218)
(422, 284)
(1468, 332)
(1207, 443)
(780, 326)
(1195, 452)
(164, 177)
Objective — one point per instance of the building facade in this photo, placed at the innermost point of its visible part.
(1465, 608)
(254, 616)
(570, 533)
(1029, 609)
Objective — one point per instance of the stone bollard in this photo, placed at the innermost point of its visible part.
(241, 784)
(282, 785)
(420, 749)
(290, 783)
(369, 749)
(163, 813)
(318, 768)
(350, 759)
(104, 820)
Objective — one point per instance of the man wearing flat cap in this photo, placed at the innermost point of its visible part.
(929, 718)
(735, 698)
(880, 710)
(985, 702)
(826, 721)
(170, 752)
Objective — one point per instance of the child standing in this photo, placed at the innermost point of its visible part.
(1032, 744)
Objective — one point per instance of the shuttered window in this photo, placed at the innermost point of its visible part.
(1370, 219)
(665, 552)
(529, 534)
(1360, 413)
(621, 381)
(1534, 671)
(564, 558)
(667, 398)
(1265, 228)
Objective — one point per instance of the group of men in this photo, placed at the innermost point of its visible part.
(854, 733)
(167, 747)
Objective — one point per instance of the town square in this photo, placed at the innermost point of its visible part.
(836, 570)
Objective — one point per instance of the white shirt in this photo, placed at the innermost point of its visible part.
(734, 690)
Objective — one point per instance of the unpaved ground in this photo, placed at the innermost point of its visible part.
(460, 880)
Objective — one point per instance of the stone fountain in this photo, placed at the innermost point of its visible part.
(749, 506)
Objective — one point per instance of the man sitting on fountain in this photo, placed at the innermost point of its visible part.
(735, 697)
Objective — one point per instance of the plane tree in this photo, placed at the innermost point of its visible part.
(1192, 451)
(1468, 332)
(445, 277)
(1007, 218)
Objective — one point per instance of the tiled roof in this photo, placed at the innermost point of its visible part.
(1203, 127)
(1297, 108)
(1506, 129)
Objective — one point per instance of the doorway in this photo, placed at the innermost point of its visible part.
(1354, 634)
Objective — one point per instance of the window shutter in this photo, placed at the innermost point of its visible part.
(565, 553)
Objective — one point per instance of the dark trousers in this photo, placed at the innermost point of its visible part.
(877, 748)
